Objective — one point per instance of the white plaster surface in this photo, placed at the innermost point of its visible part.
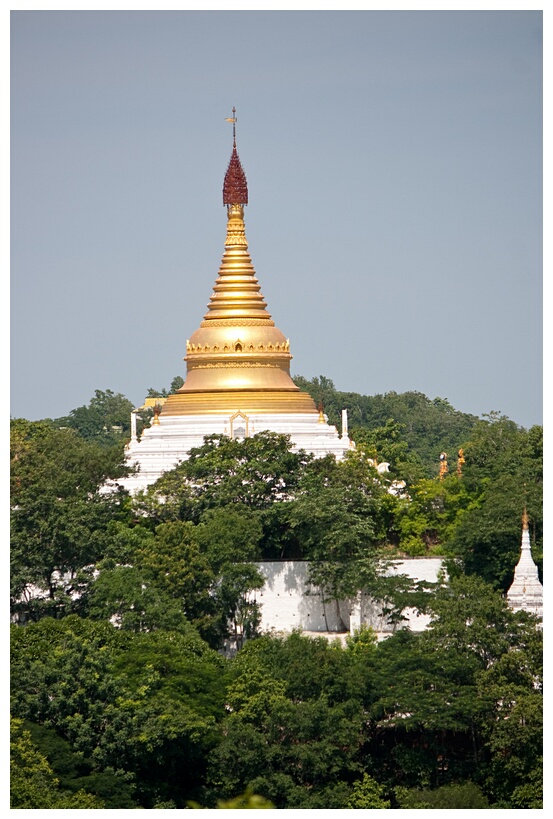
(162, 446)
(288, 602)
(526, 592)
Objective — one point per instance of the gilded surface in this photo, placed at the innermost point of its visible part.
(233, 364)
(237, 322)
(226, 402)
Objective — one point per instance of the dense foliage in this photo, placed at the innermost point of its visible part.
(405, 428)
(158, 719)
(106, 419)
(140, 679)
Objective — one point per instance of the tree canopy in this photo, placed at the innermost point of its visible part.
(140, 679)
(106, 419)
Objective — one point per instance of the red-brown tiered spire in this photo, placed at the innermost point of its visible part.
(235, 187)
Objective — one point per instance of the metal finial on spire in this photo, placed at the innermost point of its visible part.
(234, 120)
(235, 187)
(525, 513)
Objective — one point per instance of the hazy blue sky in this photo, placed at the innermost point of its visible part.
(394, 164)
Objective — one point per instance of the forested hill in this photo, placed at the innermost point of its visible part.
(426, 426)
(123, 606)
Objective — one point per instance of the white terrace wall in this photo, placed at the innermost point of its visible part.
(288, 602)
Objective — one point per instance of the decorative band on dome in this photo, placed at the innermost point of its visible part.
(235, 187)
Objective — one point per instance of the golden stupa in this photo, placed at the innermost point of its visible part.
(238, 369)
(238, 358)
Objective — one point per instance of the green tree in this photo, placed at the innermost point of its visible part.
(141, 706)
(227, 540)
(497, 446)
(340, 516)
(174, 561)
(428, 519)
(503, 473)
(362, 641)
(246, 800)
(298, 754)
(176, 384)
(324, 394)
(76, 772)
(447, 797)
(259, 474)
(59, 515)
(125, 538)
(182, 573)
(309, 667)
(253, 472)
(32, 781)
(106, 419)
(442, 698)
(367, 794)
(487, 540)
(339, 537)
(387, 444)
(463, 612)
(126, 597)
(512, 727)
(229, 534)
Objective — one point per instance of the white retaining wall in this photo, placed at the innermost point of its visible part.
(287, 602)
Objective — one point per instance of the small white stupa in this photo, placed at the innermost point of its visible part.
(238, 369)
(526, 592)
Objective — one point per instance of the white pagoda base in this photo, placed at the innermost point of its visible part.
(164, 445)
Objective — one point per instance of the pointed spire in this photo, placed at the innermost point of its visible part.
(235, 187)
(237, 295)
(526, 591)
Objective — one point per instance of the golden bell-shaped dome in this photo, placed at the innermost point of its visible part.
(237, 359)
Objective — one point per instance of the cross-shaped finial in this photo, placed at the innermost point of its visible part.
(233, 119)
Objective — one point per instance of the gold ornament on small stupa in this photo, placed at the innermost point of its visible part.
(157, 410)
(460, 462)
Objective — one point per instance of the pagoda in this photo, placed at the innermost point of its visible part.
(526, 591)
(237, 368)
